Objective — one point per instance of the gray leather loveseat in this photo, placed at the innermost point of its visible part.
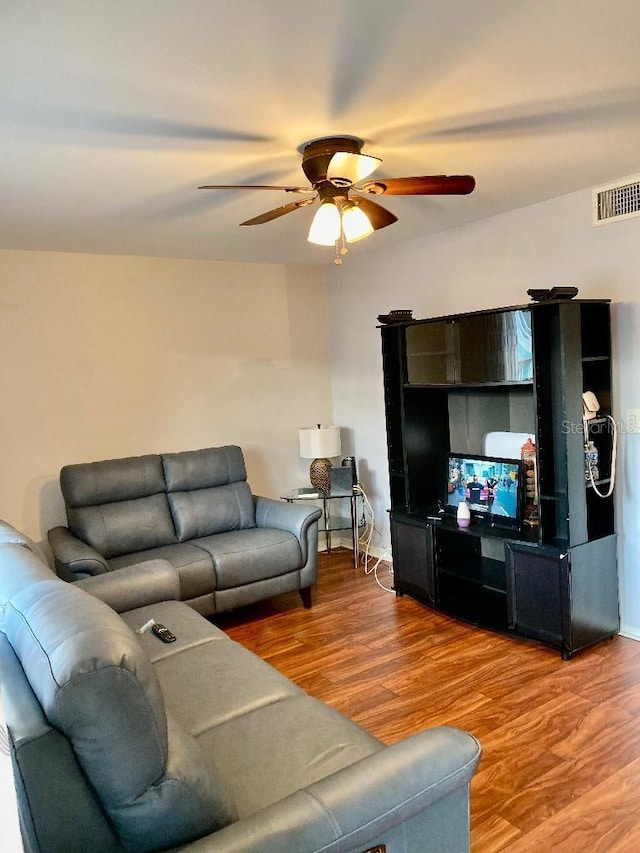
(123, 743)
(194, 509)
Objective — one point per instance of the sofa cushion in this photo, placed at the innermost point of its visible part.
(193, 565)
(19, 568)
(302, 737)
(204, 512)
(208, 492)
(246, 556)
(199, 469)
(118, 505)
(91, 483)
(188, 627)
(209, 682)
(95, 684)
(119, 528)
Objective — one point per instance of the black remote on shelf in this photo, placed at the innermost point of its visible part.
(163, 633)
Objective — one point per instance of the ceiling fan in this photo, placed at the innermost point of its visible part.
(336, 170)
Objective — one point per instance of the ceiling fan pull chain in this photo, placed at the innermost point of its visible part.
(341, 248)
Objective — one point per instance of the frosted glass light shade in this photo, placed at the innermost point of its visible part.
(355, 224)
(326, 226)
(319, 442)
(346, 168)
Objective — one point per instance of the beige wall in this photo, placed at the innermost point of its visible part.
(106, 356)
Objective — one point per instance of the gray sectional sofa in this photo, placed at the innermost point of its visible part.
(123, 743)
(194, 509)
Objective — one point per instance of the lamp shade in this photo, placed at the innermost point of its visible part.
(346, 168)
(355, 223)
(319, 442)
(326, 226)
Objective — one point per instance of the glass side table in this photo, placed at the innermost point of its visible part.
(330, 523)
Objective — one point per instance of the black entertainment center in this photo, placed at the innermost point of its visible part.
(548, 575)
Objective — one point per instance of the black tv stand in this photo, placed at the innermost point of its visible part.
(448, 381)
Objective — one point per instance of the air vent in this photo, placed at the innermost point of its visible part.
(620, 200)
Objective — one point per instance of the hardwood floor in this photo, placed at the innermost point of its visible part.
(561, 740)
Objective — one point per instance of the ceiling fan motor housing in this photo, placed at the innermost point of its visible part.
(330, 192)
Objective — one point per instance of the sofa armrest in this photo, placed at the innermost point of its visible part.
(79, 823)
(295, 518)
(353, 809)
(74, 559)
(135, 586)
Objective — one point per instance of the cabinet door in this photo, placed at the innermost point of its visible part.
(495, 347)
(412, 544)
(594, 592)
(538, 594)
(431, 353)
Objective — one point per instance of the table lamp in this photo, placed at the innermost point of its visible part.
(319, 443)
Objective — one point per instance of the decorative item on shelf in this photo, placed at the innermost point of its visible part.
(463, 514)
(319, 443)
(529, 467)
(400, 315)
(591, 458)
(541, 295)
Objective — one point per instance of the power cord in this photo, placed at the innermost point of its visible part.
(364, 540)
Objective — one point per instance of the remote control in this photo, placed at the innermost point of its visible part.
(163, 633)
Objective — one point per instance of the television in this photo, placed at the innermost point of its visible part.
(491, 486)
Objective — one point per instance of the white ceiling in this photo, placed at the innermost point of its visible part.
(112, 112)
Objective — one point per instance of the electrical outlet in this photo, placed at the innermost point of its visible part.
(633, 421)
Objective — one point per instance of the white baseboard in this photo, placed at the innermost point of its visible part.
(632, 632)
(345, 542)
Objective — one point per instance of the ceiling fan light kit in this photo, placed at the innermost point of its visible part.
(346, 169)
(355, 223)
(326, 225)
(337, 217)
(334, 165)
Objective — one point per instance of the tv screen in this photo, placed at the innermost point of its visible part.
(491, 487)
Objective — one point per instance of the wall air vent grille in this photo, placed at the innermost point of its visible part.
(617, 201)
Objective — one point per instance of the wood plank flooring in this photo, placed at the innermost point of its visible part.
(560, 770)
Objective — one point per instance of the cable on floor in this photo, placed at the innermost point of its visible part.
(368, 529)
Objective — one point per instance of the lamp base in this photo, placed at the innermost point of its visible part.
(319, 474)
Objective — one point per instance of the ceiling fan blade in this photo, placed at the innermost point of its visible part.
(378, 216)
(346, 168)
(424, 185)
(278, 211)
(256, 187)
